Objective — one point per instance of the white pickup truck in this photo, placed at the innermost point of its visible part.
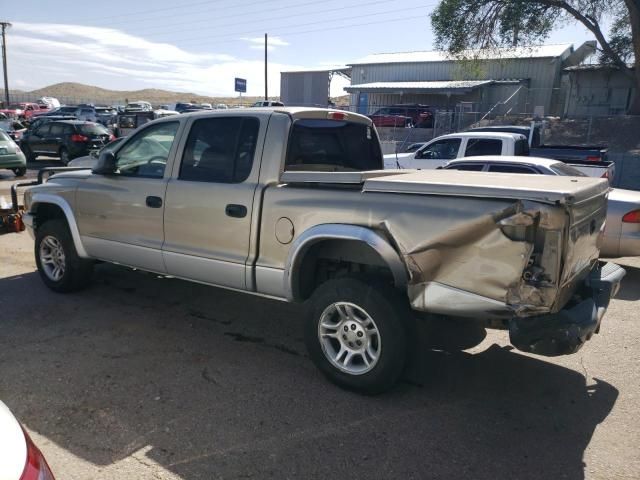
(441, 150)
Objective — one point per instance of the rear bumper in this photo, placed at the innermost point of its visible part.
(568, 330)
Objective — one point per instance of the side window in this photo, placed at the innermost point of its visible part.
(43, 130)
(483, 146)
(146, 154)
(56, 129)
(220, 150)
(446, 149)
(68, 130)
(511, 169)
(467, 167)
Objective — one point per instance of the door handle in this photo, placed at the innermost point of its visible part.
(154, 202)
(238, 211)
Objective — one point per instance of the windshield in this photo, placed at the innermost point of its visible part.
(333, 146)
(567, 170)
(93, 129)
(4, 137)
(66, 110)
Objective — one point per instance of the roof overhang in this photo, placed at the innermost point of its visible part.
(448, 87)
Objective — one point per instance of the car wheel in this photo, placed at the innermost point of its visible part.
(356, 333)
(57, 260)
(19, 172)
(64, 156)
(28, 153)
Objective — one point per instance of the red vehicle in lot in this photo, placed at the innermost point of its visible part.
(23, 110)
(410, 115)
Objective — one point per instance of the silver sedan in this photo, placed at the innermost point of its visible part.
(622, 231)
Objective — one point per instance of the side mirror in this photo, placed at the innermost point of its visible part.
(106, 163)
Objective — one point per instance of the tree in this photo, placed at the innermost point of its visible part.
(460, 25)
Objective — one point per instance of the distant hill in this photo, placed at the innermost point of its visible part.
(69, 92)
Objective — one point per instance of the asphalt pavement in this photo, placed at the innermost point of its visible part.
(152, 378)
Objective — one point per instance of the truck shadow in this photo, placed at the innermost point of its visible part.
(208, 383)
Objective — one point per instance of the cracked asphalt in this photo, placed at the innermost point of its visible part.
(150, 378)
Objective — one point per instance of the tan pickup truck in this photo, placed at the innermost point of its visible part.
(294, 204)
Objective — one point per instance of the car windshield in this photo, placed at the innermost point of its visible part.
(66, 110)
(567, 170)
(93, 129)
(4, 137)
(103, 110)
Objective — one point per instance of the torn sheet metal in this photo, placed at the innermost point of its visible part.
(478, 265)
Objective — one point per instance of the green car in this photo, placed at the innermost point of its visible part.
(11, 157)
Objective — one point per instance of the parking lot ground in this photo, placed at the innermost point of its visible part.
(152, 378)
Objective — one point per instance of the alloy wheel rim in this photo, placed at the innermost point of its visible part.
(52, 258)
(349, 337)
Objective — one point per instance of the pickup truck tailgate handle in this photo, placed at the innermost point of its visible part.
(238, 211)
(154, 202)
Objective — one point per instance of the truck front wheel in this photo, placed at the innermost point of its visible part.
(57, 260)
(356, 333)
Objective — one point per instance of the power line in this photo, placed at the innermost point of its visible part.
(279, 32)
(155, 32)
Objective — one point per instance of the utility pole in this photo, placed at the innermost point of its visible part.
(5, 25)
(266, 89)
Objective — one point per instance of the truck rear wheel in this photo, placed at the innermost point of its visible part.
(356, 334)
(57, 260)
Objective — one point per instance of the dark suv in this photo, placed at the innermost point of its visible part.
(65, 139)
(410, 115)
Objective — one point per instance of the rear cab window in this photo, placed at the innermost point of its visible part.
(483, 146)
(323, 145)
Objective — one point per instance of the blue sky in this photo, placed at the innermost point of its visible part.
(200, 46)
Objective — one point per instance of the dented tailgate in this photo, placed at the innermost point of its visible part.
(524, 259)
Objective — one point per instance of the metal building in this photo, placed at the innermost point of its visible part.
(308, 88)
(511, 80)
(596, 90)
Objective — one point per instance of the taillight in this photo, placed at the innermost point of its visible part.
(593, 158)
(36, 467)
(79, 138)
(632, 217)
(112, 137)
(605, 174)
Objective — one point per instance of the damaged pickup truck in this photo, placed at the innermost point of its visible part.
(293, 204)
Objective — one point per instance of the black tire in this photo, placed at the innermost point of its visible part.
(65, 158)
(19, 172)
(28, 153)
(77, 271)
(390, 314)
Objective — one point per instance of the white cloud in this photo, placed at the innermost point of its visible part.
(43, 54)
(257, 43)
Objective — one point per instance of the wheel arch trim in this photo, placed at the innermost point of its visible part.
(333, 231)
(44, 198)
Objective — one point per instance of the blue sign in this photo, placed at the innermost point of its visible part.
(241, 85)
